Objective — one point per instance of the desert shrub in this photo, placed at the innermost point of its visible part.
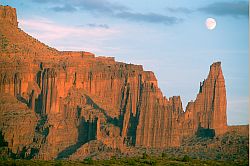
(148, 161)
(109, 162)
(163, 155)
(218, 156)
(3, 143)
(186, 158)
(131, 162)
(113, 157)
(88, 161)
(145, 155)
(58, 164)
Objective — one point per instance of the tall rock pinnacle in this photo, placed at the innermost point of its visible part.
(219, 100)
(209, 109)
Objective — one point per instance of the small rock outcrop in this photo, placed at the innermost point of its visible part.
(8, 15)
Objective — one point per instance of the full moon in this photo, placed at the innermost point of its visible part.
(210, 23)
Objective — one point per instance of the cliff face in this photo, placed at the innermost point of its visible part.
(75, 102)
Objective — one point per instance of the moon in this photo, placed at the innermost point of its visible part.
(210, 23)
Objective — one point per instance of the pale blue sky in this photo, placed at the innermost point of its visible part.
(168, 37)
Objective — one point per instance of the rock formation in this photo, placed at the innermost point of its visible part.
(208, 111)
(59, 104)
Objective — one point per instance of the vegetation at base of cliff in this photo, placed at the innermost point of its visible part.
(144, 160)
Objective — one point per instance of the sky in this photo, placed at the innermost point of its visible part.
(168, 37)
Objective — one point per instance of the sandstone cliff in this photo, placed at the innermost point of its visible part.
(69, 103)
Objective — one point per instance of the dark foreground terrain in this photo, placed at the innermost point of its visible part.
(144, 160)
(230, 149)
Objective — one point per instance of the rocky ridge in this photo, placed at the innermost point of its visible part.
(65, 104)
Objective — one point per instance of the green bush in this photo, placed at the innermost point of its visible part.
(131, 162)
(145, 155)
(148, 161)
(88, 161)
(163, 155)
(58, 164)
(186, 158)
(113, 157)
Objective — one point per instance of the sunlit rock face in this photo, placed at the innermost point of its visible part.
(67, 104)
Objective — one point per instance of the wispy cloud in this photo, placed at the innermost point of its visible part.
(235, 8)
(106, 8)
(100, 6)
(98, 26)
(46, 1)
(64, 8)
(179, 10)
(94, 25)
(47, 30)
(149, 17)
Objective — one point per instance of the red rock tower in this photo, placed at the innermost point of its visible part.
(219, 103)
(208, 111)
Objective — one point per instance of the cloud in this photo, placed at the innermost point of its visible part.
(105, 26)
(234, 9)
(48, 30)
(64, 8)
(46, 1)
(107, 9)
(148, 17)
(179, 10)
(94, 25)
(65, 37)
(99, 6)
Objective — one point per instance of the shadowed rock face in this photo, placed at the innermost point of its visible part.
(75, 103)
